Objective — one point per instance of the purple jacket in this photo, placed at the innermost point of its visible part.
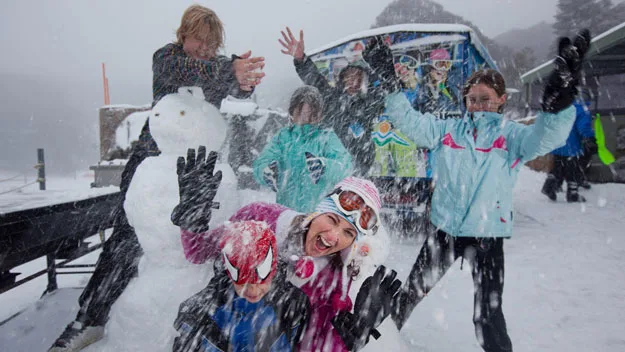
(324, 290)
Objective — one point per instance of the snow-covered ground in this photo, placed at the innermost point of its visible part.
(564, 285)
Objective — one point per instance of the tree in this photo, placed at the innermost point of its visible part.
(573, 15)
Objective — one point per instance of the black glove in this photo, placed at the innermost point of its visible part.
(270, 175)
(380, 58)
(197, 185)
(316, 167)
(373, 305)
(561, 86)
(589, 144)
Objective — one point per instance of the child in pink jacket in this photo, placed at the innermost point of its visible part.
(316, 249)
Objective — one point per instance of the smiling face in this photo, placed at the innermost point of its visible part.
(328, 233)
(483, 98)
(199, 49)
(352, 80)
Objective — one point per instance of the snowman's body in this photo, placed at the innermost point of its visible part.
(370, 252)
(142, 318)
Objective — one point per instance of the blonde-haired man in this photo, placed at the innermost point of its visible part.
(191, 60)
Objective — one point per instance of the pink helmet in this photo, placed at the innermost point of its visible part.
(249, 252)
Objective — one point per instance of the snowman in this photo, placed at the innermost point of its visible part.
(142, 318)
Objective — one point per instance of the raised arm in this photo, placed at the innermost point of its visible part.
(423, 129)
(304, 66)
(554, 124)
(546, 134)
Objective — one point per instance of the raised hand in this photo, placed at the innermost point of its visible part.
(270, 175)
(316, 167)
(373, 305)
(197, 185)
(291, 45)
(380, 58)
(247, 70)
(561, 86)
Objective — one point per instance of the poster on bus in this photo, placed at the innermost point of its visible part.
(430, 67)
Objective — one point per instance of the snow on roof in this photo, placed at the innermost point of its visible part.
(125, 106)
(412, 27)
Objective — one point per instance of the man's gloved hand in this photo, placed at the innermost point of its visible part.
(316, 167)
(197, 184)
(561, 86)
(380, 58)
(373, 305)
(270, 175)
(589, 145)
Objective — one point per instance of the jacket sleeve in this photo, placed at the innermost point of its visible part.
(423, 129)
(272, 152)
(308, 73)
(583, 122)
(184, 70)
(171, 64)
(338, 160)
(549, 132)
(199, 247)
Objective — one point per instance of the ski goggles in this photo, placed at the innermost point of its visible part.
(407, 61)
(354, 207)
(443, 65)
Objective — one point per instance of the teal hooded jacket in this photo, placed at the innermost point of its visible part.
(295, 187)
(478, 159)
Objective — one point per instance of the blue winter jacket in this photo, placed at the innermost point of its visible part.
(478, 159)
(581, 129)
(296, 189)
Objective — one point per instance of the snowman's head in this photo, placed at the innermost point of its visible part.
(186, 120)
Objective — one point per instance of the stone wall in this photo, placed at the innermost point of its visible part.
(111, 117)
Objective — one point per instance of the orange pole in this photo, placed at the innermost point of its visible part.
(108, 93)
(104, 82)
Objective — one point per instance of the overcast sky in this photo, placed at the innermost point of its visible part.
(65, 42)
(70, 38)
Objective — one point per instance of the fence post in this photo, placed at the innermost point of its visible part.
(41, 166)
(50, 258)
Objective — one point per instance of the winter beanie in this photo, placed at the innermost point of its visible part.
(306, 95)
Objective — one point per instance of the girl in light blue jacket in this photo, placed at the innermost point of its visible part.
(478, 160)
(303, 161)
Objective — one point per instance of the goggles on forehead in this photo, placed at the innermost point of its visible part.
(353, 206)
(442, 64)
